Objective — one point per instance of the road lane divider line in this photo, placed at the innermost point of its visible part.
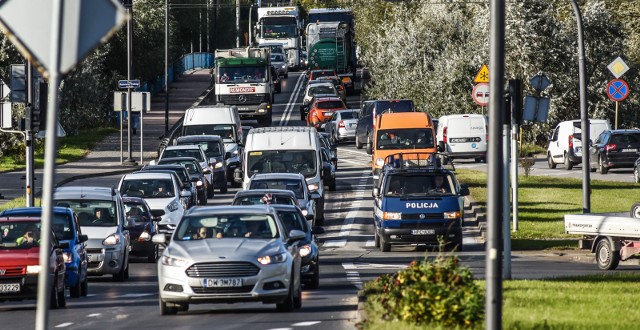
(290, 105)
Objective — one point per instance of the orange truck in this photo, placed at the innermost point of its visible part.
(410, 132)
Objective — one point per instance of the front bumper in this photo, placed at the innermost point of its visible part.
(105, 260)
(404, 235)
(28, 286)
(468, 154)
(254, 110)
(219, 178)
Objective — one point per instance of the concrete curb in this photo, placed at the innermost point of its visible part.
(361, 313)
(475, 213)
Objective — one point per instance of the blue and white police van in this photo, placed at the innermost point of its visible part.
(418, 201)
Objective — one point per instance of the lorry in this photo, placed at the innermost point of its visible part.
(243, 78)
(281, 25)
(613, 237)
(334, 30)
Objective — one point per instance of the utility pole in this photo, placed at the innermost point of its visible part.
(28, 134)
(129, 161)
(166, 67)
(237, 23)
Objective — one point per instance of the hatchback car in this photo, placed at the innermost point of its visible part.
(139, 213)
(294, 182)
(322, 109)
(342, 125)
(270, 196)
(614, 149)
(65, 225)
(315, 87)
(196, 152)
(214, 148)
(279, 63)
(250, 257)
(337, 83)
(20, 261)
(184, 180)
(195, 171)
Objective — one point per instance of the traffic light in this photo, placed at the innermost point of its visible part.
(39, 108)
(515, 99)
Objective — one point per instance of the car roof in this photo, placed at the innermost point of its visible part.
(177, 159)
(200, 138)
(33, 210)
(318, 82)
(264, 192)
(230, 209)
(161, 167)
(622, 131)
(11, 218)
(85, 192)
(186, 146)
(149, 175)
(270, 176)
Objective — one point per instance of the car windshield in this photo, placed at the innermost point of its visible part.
(278, 31)
(19, 234)
(292, 185)
(148, 188)
(238, 74)
(136, 212)
(330, 105)
(225, 131)
(173, 153)
(293, 220)
(409, 138)
(317, 90)
(96, 213)
(277, 58)
(283, 161)
(394, 106)
(211, 148)
(260, 199)
(191, 166)
(250, 226)
(424, 184)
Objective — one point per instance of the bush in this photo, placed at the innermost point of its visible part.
(438, 292)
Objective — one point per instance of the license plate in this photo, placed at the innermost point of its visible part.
(460, 140)
(222, 282)
(629, 150)
(96, 257)
(10, 287)
(423, 231)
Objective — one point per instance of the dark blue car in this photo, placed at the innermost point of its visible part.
(418, 202)
(65, 225)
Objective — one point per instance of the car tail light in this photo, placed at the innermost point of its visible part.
(340, 87)
(341, 123)
(570, 141)
(444, 134)
(610, 147)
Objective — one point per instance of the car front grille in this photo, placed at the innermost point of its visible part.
(223, 269)
(241, 99)
(242, 289)
(12, 271)
(423, 216)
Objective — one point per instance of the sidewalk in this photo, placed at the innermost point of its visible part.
(191, 88)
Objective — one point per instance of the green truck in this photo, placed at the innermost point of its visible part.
(330, 46)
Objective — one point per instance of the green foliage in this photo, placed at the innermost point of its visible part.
(439, 292)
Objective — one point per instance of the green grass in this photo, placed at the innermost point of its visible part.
(70, 149)
(543, 202)
(583, 302)
(17, 202)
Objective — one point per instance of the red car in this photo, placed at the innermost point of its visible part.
(19, 261)
(322, 109)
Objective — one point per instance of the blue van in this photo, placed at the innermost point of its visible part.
(65, 225)
(418, 201)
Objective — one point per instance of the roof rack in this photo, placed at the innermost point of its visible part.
(415, 161)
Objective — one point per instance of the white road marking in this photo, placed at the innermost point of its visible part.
(352, 276)
(362, 153)
(306, 324)
(94, 315)
(286, 115)
(370, 243)
(335, 243)
(64, 325)
(353, 162)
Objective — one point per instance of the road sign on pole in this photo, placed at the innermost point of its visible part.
(123, 84)
(483, 75)
(617, 90)
(618, 67)
(480, 94)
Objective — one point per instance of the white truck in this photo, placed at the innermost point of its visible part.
(614, 236)
(243, 77)
(281, 25)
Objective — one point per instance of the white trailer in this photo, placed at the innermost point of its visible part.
(281, 25)
(614, 237)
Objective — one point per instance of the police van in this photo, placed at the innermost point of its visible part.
(417, 201)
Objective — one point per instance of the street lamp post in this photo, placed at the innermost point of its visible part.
(166, 67)
(129, 5)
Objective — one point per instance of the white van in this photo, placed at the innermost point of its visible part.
(291, 149)
(218, 120)
(565, 141)
(463, 136)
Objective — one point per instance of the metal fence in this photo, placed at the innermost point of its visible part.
(184, 64)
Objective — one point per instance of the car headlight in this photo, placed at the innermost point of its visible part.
(391, 216)
(218, 165)
(144, 236)
(175, 262)
(199, 183)
(112, 239)
(67, 257)
(173, 206)
(305, 250)
(305, 212)
(379, 162)
(284, 66)
(235, 152)
(452, 215)
(33, 269)
(274, 259)
(313, 186)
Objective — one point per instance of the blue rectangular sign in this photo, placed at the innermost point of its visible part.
(129, 83)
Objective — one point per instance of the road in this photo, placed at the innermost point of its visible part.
(347, 258)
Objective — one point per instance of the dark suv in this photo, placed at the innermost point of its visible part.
(614, 149)
(367, 118)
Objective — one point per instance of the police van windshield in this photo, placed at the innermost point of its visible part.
(283, 161)
(423, 184)
(408, 138)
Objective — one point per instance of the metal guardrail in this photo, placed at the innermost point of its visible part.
(185, 63)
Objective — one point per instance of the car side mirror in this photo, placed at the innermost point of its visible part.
(157, 213)
(227, 155)
(441, 146)
(317, 230)
(185, 193)
(159, 239)
(63, 245)
(212, 161)
(464, 190)
(376, 192)
(153, 162)
(296, 235)
(83, 238)
(315, 195)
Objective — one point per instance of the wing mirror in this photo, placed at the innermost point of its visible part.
(376, 192)
(238, 176)
(157, 213)
(83, 238)
(212, 161)
(185, 193)
(296, 235)
(159, 239)
(464, 190)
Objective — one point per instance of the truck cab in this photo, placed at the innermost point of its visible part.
(417, 201)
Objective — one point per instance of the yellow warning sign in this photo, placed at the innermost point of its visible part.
(483, 75)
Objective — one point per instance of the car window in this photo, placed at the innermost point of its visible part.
(95, 213)
(347, 115)
(283, 161)
(19, 234)
(317, 90)
(227, 226)
(136, 212)
(329, 104)
(408, 138)
(293, 220)
(292, 185)
(259, 200)
(148, 188)
(629, 139)
(173, 153)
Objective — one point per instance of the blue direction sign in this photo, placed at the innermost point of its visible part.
(128, 83)
(617, 90)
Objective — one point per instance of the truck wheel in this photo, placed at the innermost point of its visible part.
(568, 165)
(635, 211)
(550, 162)
(606, 257)
(376, 238)
(358, 144)
(384, 246)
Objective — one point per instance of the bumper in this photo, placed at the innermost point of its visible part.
(346, 134)
(28, 285)
(192, 289)
(468, 154)
(105, 260)
(254, 111)
(404, 235)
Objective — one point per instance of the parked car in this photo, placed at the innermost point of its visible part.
(342, 125)
(214, 148)
(565, 142)
(65, 225)
(322, 109)
(196, 152)
(614, 149)
(184, 181)
(270, 196)
(294, 182)
(261, 262)
(195, 171)
(101, 217)
(292, 219)
(20, 261)
(145, 226)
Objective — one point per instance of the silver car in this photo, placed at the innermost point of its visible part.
(230, 254)
(279, 63)
(342, 125)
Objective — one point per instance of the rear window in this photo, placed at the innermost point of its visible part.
(329, 105)
(394, 106)
(173, 153)
(321, 90)
(258, 200)
(317, 74)
(629, 139)
(347, 115)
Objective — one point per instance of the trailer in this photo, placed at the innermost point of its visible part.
(615, 237)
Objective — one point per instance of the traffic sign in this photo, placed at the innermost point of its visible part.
(480, 94)
(617, 90)
(618, 67)
(128, 83)
(539, 82)
(85, 25)
(483, 75)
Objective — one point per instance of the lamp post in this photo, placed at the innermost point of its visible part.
(166, 67)
(129, 5)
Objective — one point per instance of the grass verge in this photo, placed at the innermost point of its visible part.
(17, 202)
(543, 201)
(70, 149)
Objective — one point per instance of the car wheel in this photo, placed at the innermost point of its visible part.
(376, 238)
(635, 211)
(568, 165)
(297, 301)
(287, 305)
(84, 289)
(166, 309)
(384, 246)
(636, 175)
(606, 257)
(76, 290)
(54, 302)
(210, 191)
(550, 162)
(358, 144)
(315, 281)
(601, 168)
